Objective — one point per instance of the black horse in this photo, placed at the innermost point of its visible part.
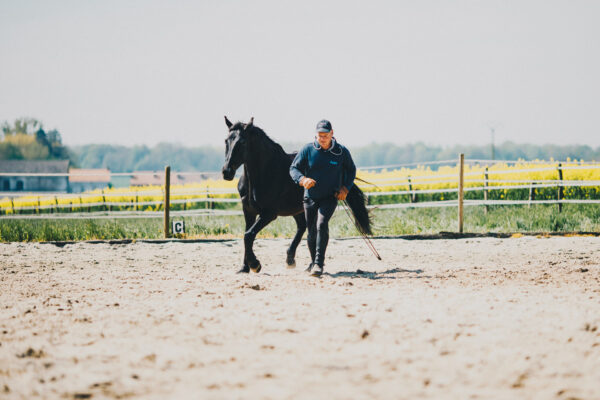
(267, 190)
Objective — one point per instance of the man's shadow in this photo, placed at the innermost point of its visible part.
(374, 275)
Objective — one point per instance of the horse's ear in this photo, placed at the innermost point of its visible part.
(251, 123)
(227, 122)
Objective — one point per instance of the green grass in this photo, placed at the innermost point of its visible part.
(538, 218)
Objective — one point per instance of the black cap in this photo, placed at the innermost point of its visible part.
(324, 126)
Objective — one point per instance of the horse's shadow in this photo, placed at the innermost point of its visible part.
(374, 275)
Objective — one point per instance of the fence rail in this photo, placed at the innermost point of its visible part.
(128, 204)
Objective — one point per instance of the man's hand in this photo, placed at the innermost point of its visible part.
(341, 195)
(307, 182)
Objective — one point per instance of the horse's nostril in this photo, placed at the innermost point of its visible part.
(227, 173)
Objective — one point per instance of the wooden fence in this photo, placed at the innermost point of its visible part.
(196, 198)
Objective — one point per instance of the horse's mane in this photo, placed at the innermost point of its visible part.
(259, 134)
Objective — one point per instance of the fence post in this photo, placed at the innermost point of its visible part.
(485, 190)
(38, 205)
(104, 208)
(56, 204)
(411, 197)
(461, 182)
(12, 205)
(167, 199)
(531, 194)
(136, 201)
(559, 193)
(209, 203)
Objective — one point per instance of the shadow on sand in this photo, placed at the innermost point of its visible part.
(388, 274)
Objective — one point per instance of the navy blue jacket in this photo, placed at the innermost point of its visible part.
(331, 169)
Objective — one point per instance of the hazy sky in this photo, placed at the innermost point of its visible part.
(142, 72)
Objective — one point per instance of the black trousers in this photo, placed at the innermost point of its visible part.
(318, 213)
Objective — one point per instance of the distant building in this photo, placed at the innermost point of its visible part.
(25, 183)
(120, 181)
(77, 180)
(83, 180)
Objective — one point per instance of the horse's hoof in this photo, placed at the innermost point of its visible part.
(256, 267)
(291, 263)
(245, 269)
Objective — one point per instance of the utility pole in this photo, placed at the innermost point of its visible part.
(493, 131)
(492, 126)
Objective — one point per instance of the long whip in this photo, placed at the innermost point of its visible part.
(364, 236)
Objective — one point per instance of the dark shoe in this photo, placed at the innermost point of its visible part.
(317, 270)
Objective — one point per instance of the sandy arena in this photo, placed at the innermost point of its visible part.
(463, 319)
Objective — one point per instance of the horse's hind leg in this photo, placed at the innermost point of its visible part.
(291, 251)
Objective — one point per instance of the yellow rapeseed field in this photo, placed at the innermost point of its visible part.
(421, 178)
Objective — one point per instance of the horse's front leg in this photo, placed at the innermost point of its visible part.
(291, 251)
(250, 259)
(250, 218)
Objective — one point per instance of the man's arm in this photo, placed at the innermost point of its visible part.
(349, 171)
(297, 170)
(298, 166)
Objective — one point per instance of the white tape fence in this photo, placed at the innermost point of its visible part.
(208, 201)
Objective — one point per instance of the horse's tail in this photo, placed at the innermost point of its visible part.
(356, 201)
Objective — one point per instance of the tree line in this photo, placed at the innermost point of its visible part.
(26, 139)
(208, 158)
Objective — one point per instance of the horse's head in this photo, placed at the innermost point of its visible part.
(235, 147)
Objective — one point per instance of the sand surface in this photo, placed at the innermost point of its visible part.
(465, 319)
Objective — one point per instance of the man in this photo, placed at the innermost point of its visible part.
(326, 171)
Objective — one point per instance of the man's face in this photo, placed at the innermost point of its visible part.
(324, 139)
